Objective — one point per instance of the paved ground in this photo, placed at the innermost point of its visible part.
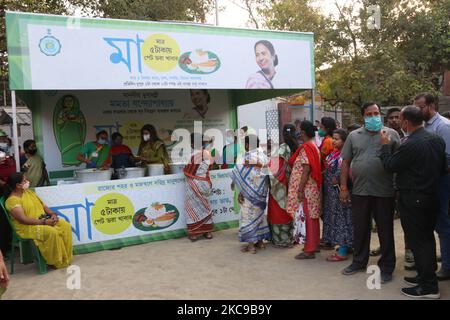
(215, 269)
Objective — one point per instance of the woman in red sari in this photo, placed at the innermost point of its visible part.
(304, 196)
(198, 190)
(281, 223)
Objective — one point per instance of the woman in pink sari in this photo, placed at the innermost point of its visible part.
(304, 196)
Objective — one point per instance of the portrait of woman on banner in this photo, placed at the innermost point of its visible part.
(267, 60)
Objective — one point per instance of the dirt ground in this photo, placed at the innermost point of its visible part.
(208, 269)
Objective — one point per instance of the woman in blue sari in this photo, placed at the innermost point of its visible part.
(251, 180)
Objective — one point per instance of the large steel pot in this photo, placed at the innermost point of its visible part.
(155, 169)
(130, 173)
(93, 175)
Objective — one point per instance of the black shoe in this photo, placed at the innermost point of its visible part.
(410, 267)
(386, 277)
(443, 275)
(352, 269)
(375, 253)
(413, 281)
(419, 292)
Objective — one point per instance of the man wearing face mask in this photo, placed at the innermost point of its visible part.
(96, 154)
(439, 125)
(373, 191)
(4, 143)
(7, 163)
(34, 167)
(215, 154)
(7, 167)
(419, 163)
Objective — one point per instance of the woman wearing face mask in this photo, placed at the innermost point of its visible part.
(230, 151)
(215, 154)
(199, 188)
(280, 222)
(32, 219)
(152, 149)
(337, 216)
(34, 167)
(326, 129)
(96, 154)
(305, 184)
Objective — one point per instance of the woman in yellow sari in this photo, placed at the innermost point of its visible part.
(152, 149)
(32, 219)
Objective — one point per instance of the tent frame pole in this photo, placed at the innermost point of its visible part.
(15, 131)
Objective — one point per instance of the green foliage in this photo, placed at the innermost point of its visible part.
(355, 63)
(43, 6)
(180, 10)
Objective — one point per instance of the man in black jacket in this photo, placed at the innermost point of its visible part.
(419, 163)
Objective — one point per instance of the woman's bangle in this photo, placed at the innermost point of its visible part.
(344, 188)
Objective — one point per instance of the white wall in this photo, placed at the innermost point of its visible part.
(254, 115)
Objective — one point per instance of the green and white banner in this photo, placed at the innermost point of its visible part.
(121, 212)
(58, 52)
(69, 119)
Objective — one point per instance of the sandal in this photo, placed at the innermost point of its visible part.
(193, 238)
(261, 245)
(278, 246)
(375, 253)
(208, 235)
(304, 256)
(248, 248)
(336, 258)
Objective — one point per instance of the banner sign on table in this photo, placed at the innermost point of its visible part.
(120, 209)
(48, 52)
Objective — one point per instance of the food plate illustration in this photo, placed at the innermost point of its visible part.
(157, 216)
(199, 62)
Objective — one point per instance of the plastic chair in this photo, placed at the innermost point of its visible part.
(28, 250)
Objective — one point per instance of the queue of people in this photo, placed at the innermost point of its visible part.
(348, 179)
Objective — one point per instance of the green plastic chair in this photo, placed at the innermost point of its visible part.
(29, 252)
